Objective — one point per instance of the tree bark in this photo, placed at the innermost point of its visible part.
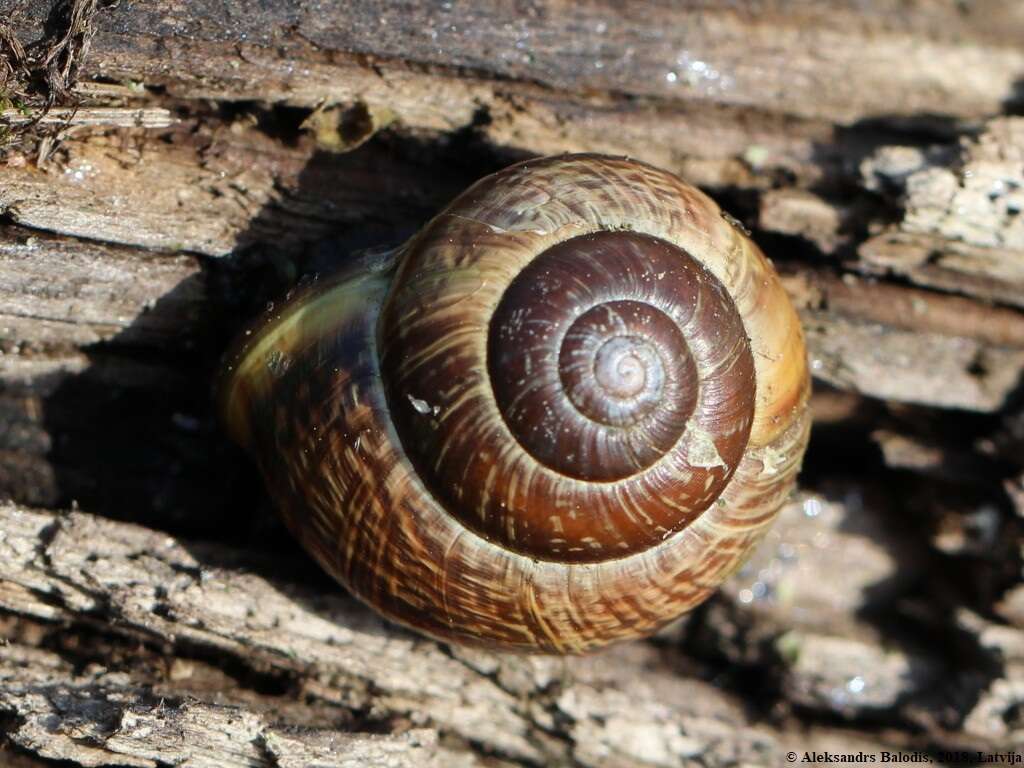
(168, 169)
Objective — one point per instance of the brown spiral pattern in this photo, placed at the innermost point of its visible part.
(617, 362)
(590, 358)
(591, 373)
(625, 387)
(561, 417)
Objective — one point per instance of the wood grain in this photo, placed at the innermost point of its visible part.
(873, 148)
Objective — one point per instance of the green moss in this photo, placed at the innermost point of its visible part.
(788, 647)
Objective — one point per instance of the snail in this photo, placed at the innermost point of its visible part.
(558, 417)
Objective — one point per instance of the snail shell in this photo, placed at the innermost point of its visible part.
(560, 416)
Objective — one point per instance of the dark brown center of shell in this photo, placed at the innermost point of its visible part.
(619, 367)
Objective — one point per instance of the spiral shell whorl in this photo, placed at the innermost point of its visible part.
(381, 393)
(612, 368)
(593, 379)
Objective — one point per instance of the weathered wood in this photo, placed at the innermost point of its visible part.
(728, 95)
(99, 718)
(60, 293)
(201, 602)
(211, 153)
(152, 587)
(793, 57)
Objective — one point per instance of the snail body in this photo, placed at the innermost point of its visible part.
(558, 417)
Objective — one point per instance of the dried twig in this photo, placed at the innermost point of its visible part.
(64, 57)
(109, 117)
